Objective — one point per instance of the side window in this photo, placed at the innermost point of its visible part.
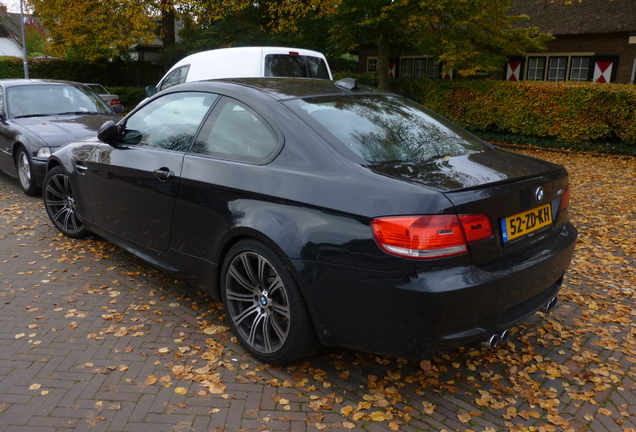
(235, 132)
(2, 110)
(169, 122)
(177, 76)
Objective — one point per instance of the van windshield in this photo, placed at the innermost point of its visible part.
(298, 66)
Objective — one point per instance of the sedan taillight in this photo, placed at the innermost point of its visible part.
(114, 102)
(432, 236)
(565, 198)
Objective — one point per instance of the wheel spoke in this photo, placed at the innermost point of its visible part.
(241, 280)
(281, 309)
(238, 319)
(274, 323)
(240, 297)
(255, 278)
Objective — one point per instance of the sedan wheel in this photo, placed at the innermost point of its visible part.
(265, 307)
(25, 172)
(59, 201)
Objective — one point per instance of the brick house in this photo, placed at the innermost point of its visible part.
(595, 40)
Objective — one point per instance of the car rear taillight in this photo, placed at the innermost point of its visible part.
(432, 236)
(565, 198)
(114, 102)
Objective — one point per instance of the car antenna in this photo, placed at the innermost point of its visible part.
(348, 83)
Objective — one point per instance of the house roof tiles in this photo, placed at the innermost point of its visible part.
(579, 17)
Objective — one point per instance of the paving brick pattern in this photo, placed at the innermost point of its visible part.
(93, 339)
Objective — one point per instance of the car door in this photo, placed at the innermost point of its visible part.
(134, 184)
(224, 164)
(7, 138)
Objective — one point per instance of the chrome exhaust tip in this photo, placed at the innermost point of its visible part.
(504, 337)
(549, 306)
(496, 339)
(491, 342)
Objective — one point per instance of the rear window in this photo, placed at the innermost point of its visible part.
(380, 128)
(298, 66)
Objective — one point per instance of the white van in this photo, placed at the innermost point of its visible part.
(245, 62)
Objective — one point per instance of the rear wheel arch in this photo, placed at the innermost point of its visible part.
(237, 237)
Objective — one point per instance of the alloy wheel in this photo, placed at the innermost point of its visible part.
(25, 172)
(59, 201)
(258, 302)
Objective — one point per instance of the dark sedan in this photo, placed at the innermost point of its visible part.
(39, 116)
(322, 212)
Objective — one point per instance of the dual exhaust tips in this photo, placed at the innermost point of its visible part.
(502, 337)
(496, 339)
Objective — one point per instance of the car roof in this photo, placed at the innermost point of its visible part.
(11, 82)
(282, 88)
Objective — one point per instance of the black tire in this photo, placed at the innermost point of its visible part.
(265, 307)
(59, 202)
(26, 177)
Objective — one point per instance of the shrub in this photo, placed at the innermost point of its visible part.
(565, 111)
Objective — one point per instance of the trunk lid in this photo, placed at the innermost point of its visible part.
(521, 195)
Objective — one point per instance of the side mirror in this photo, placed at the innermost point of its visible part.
(108, 133)
(118, 108)
(151, 91)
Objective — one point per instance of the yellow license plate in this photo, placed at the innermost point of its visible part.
(523, 223)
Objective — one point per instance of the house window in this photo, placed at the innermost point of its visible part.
(419, 68)
(406, 68)
(536, 68)
(557, 68)
(372, 65)
(580, 68)
(433, 68)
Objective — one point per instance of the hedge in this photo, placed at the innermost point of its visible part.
(564, 111)
(106, 73)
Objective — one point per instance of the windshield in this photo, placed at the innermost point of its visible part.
(46, 99)
(380, 128)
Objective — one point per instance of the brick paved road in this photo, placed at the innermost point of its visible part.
(92, 339)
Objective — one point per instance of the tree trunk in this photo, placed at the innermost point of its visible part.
(383, 61)
(168, 36)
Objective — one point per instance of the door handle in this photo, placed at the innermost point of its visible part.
(163, 174)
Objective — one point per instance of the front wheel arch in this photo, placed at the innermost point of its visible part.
(24, 169)
(59, 201)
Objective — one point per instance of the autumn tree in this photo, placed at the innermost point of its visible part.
(467, 36)
(93, 30)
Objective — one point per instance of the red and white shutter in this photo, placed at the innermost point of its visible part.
(392, 69)
(604, 69)
(514, 69)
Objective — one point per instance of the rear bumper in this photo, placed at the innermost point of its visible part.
(419, 310)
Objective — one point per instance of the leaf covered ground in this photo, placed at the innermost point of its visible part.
(574, 370)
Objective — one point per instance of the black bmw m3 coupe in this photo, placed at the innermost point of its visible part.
(323, 212)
